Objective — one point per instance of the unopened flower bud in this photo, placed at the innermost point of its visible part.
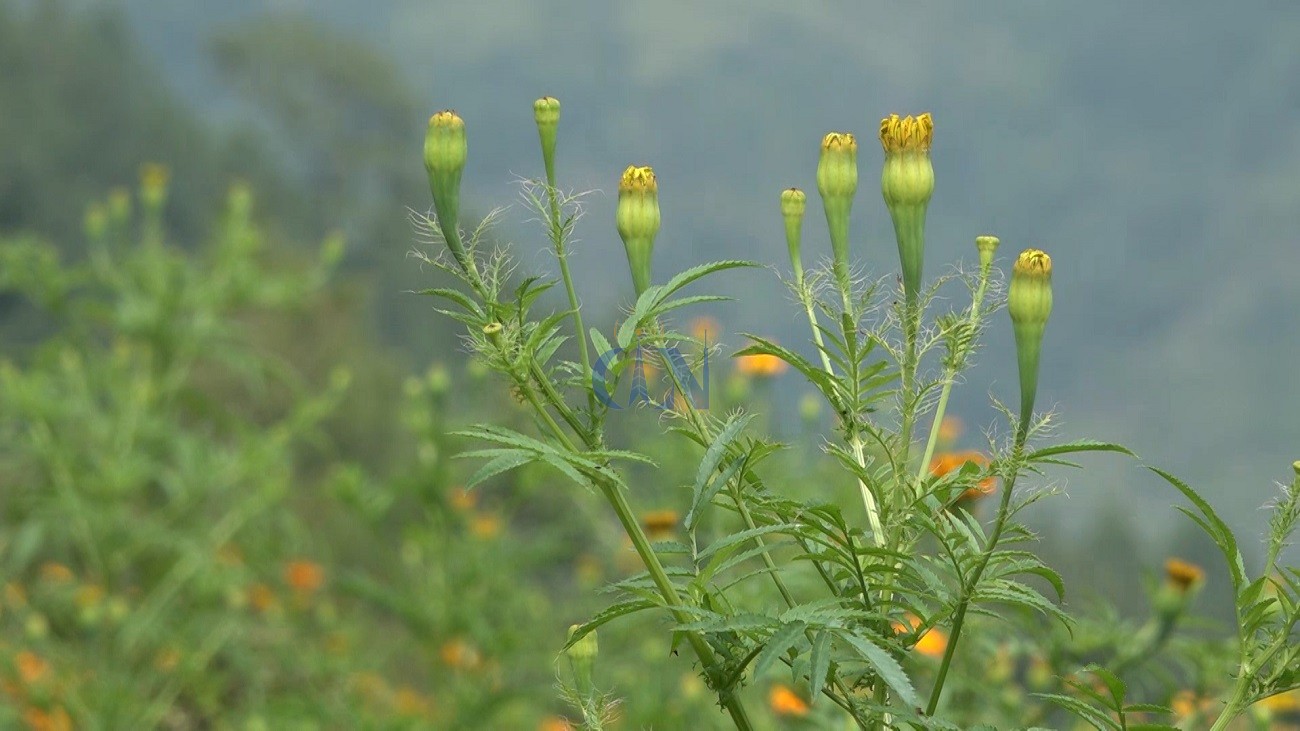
(153, 186)
(582, 660)
(1029, 302)
(445, 151)
(637, 219)
(546, 112)
(987, 247)
(492, 331)
(837, 183)
(793, 205)
(95, 223)
(907, 182)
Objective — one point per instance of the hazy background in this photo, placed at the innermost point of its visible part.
(1153, 150)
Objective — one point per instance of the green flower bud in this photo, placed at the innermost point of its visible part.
(546, 111)
(492, 331)
(987, 246)
(1296, 466)
(445, 151)
(907, 181)
(837, 182)
(793, 205)
(119, 207)
(95, 223)
(637, 218)
(153, 186)
(1029, 302)
(582, 659)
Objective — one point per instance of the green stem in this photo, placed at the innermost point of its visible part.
(959, 618)
(557, 238)
(641, 544)
(949, 376)
(1235, 704)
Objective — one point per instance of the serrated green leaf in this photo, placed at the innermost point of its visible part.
(501, 463)
(885, 666)
(820, 664)
(777, 644)
(612, 612)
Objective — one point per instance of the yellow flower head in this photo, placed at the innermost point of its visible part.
(660, 524)
(761, 365)
(839, 142)
(638, 180)
(1033, 263)
(907, 134)
(1183, 574)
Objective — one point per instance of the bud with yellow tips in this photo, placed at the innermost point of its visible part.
(445, 152)
(1029, 302)
(907, 182)
(546, 112)
(987, 247)
(793, 205)
(637, 219)
(837, 183)
(154, 179)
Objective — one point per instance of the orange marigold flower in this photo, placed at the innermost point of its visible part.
(705, 328)
(1183, 574)
(462, 499)
(950, 429)
(485, 525)
(660, 524)
(786, 702)
(56, 572)
(407, 701)
(55, 719)
(554, 723)
(932, 642)
(947, 462)
(261, 597)
(304, 577)
(761, 365)
(32, 668)
(460, 654)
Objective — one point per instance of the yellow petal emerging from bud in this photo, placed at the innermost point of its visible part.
(637, 218)
(445, 152)
(1029, 303)
(837, 183)
(907, 182)
(793, 205)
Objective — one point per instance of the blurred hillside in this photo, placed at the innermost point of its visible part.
(1120, 142)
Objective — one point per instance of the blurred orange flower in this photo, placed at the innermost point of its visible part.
(660, 525)
(462, 499)
(946, 462)
(32, 668)
(705, 328)
(785, 702)
(761, 365)
(304, 577)
(55, 719)
(261, 597)
(1183, 574)
(485, 525)
(554, 723)
(407, 701)
(459, 654)
(950, 429)
(56, 573)
(932, 642)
